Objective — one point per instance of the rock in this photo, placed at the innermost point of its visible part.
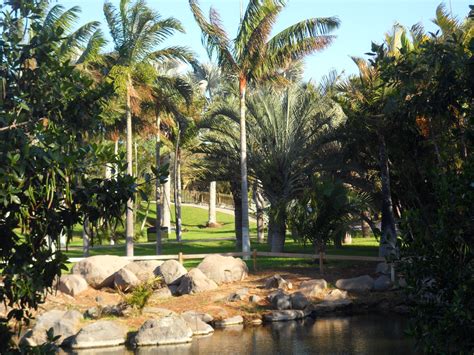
(99, 270)
(299, 301)
(330, 306)
(145, 270)
(160, 294)
(256, 321)
(228, 322)
(281, 301)
(100, 334)
(276, 281)
(194, 282)
(196, 324)
(239, 295)
(382, 283)
(158, 312)
(254, 299)
(125, 280)
(402, 282)
(167, 330)
(64, 323)
(112, 311)
(357, 284)
(382, 268)
(311, 288)
(335, 294)
(93, 313)
(172, 271)
(285, 315)
(72, 284)
(206, 318)
(223, 269)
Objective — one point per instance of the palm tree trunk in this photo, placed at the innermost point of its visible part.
(166, 205)
(365, 226)
(388, 240)
(86, 242)
(136, 158)
(177, 190)
(278, 231)
(259, 211)
(129, 215)
(243, 171)
(116, 148)
(235, 188)
(158, 186)
(212, 221)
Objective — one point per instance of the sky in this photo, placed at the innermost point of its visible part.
(362, 22)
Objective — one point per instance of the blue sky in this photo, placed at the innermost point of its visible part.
(362, 21)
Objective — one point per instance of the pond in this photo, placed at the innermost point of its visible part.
(362, 334)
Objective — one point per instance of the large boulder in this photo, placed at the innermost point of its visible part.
(167, 330)
(223, 269)
(326, 307)
(99, 334)
(172, 271)
(160, 294)
(312, 288)
(280, 300)
(276, 281)
(383, 268)
(196, 324)
(335, 294)
(282, 316)
(99, 270)
(299, 301)
(145, 270)
(64, 323)
(72, 284)
(125, 280)
(205, 317)
(382, 283)
(194, 282)
(357, 284)
(226, 322)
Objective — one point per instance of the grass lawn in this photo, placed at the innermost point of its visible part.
(194, 220)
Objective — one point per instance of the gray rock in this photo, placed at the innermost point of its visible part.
(312, 288)
(282, 316)
(228, 322)
(172, 271)
(206, 318)
(357, 284)
(64, 323)
(223, 269)
(100, 334)
(281, 301)
(382, 283)
(299, 301)
(239, 295)
(72, 284)
(93, 313)
(125, 280)
(330, 306)
(335, 294)
(276, 281)
(167, 330)
(99, 270)
(161, 294)
(254, 299)
(402, 282)
(112, 311)
(145, 270)
(194, 282)
(196, 324)
(382, 268)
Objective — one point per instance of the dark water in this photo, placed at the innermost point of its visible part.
(366, 334)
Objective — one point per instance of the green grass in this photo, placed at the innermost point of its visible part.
(194, 220)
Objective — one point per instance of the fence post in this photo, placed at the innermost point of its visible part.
(254, 255)
(180, 258)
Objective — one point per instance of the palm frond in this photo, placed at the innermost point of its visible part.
(172, 53)
(114, 24)
(91, 52)
(447, 23)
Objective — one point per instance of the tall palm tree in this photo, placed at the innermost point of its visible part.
(255, 56)
(136, 31)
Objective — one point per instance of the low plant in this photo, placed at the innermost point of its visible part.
(139, 296)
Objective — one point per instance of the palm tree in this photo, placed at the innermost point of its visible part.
(290, 133)
(136, 31)
(253, 56)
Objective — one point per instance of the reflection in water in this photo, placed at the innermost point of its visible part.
(368, 334)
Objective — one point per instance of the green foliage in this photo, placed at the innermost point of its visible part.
(140, 295)
(326, 212)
